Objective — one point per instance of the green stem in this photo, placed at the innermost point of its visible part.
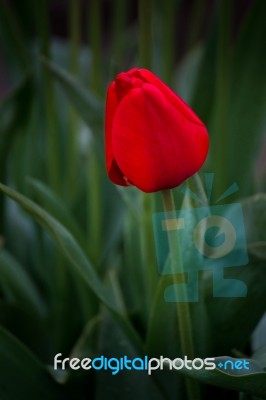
(94, 186)
(53, 151)
(148, 251)
(118, 28)
(12, 22)
(50, 108)
(72, 159)
(96, 81)
(183, 309)
(145, 33)
(147, 247)
(95, 221)
(74, 22)
(197, 15)
(221, 127)
(169, 43)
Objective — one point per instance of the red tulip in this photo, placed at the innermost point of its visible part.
(154, 141)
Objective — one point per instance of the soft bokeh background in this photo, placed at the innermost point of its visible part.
(78, 273)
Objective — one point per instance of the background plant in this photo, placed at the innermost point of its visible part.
(78, 273)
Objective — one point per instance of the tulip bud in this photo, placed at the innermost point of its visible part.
(153, 140)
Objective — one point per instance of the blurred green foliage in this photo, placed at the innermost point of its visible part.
(77, 262)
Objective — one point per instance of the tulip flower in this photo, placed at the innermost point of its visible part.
(154, 141)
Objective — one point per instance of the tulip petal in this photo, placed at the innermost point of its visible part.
(113, 170)
(156, 145)
(170, 94)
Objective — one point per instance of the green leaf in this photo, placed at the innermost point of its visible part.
(64, 239)
(239, 122)
(76, 257)
(15, 104)
(15, 280)
(188, 73)
(234, 319)
(260, 356)
(13, 38)
(253, 382)
(248, 96)
(204, 85)
(28, 327)
(231, 329)
(87, 106)
(134, 283)
(56, 207)
(84, 346)
(163, 336)
(119, 386)
(254, 209)
(86, 342)
(22, 375)
(14, 113)
(130, 198)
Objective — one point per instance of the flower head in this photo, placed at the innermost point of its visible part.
(153, 140)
